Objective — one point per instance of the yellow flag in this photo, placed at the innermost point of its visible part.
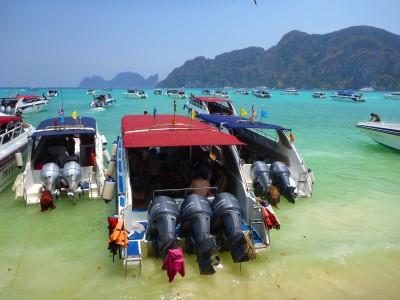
(74, 115)
(243, 113)
(193, 114)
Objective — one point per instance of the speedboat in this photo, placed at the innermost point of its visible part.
(102, 101)
(52, 93)
(392, 96)
(348, 96)
(272, 144)
(64, 158)
(13, 147)
(157, 92)
(210, 105)
(367, 89)
(206, 92)
(176, 93)
(290, 91)
(261, 94)
(23, 104)
(242, 92)
(136, 94)
(161, 209)
(319, 95)
(384, 133)
(221, 94)
(91, 92)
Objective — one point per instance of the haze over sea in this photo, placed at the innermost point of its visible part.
(343, 243)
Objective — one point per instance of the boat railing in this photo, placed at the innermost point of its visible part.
(9, 134)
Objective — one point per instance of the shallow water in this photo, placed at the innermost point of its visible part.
(343, 243)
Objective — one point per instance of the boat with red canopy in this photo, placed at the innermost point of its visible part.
(179, 182)
(13, 146)
(22, 104)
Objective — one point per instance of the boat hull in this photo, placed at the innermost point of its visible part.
(385, 134)
(8, 166)
(391, 97)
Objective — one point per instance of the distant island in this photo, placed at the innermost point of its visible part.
(121, 80)
(353, 57)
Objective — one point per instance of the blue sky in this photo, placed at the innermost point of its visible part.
(57, 43)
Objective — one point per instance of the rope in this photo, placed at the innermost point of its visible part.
(250, 249)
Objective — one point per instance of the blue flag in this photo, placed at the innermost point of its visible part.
(154, 112)
(264, 114)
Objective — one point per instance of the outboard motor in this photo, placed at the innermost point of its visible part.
(260, 174)
(280, 177)
(49, 175)
(195, 218)
(226, 223)
(163, 213)
(72, 174)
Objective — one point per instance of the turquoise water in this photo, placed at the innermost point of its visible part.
(343, 243)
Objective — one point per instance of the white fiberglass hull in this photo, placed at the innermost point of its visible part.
(392, 97)
(134, 96)
(387, 134)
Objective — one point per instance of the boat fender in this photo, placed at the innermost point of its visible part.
(108, 190)
(111, 168)
(46, 201)
(106, 155)
(114, 148)
(103, 139)
(18, 159)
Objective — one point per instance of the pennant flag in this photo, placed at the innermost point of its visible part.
(74, 115)
(243, 113)
(61, 115)
(193, 114)
(264, 114)
(253, 112)
(174, 106)
(173, 120)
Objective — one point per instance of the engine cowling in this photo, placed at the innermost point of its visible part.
(49, 175)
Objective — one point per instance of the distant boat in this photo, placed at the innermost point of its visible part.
(157, 92)
(102, 101)
(221, 94)
(261, 94)
(290, 91)
(176, 93)
(242, 92)
(210, 105)
(392, 96)
(135, 94)
(319, 95)
(91, 92)
(23, 104)
(387, 134)
(206, 92)
(52, 93)
(367, 89)
(348, 96)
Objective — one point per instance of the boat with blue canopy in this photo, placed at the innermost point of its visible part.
(65, 158)
(348, 96)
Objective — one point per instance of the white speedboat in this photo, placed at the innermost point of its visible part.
(52, 93)
(23, 104)
(392, 96)
(319, 95)
(13, 147)
(242, 92)
(176, 93)
(162, 209)
(64, 159)
(384, 133)
(221, 94)
(348, 96)
(272, 144)
(157, 92)
(135, 94)
(261, 94)
(290, 91)
(367, 89)
(210, 105)
(91, 92)
(102, 101)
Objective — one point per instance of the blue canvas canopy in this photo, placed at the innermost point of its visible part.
(237, 122)
(53, 126)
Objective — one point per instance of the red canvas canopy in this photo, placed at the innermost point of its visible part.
(7, 119)
(210, 99)
(27, 97)
(139, 131)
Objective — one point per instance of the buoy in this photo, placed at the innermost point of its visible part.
(106, 155)
(108, 190)
(114, 148)
(103, 139)
(19, 160)
(111, 168)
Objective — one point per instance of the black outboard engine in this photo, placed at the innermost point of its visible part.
(163, 213)
(260, 174)
(280, 177)
(226, 223)
(195, 218)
